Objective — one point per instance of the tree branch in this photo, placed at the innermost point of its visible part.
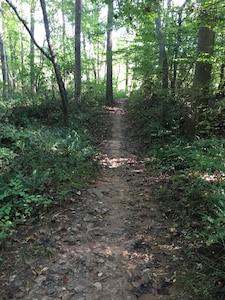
(28, 30)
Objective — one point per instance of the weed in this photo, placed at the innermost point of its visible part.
(17, 202)
(195, 189)
(39, 162)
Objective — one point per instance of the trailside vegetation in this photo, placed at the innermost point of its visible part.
(42, 161)
(59, 64)
(182, 126)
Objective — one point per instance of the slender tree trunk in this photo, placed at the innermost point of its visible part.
(54, 62)
(50, 57)
(162, 54)
(5, 71)
(64, 45)
(222, 81)
(177, 47)
(77, 71)
(86, 71)
(98, 66)
(109, 81)
(98, 54)
(12, 47)
(96, 77)
(127, 73)
(176, 53)
(32, 55)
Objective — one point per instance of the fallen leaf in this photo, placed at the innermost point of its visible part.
(98, 285)
(40, 278)
(65, 279)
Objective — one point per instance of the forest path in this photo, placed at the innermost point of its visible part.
(111, 242)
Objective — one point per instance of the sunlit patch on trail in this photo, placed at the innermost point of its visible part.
(137, 171)
(144, 257)
(116, 162)
(115, 110)
(216, 177)
(169, 247)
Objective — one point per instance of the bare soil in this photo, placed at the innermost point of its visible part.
(110, 241)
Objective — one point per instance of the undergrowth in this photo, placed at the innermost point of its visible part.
(192, 193)
(41, 159)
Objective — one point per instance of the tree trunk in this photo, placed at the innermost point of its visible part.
(203, 67)
(12, 47)
(55, 64)
(32, 23)
(176, 53)
(98, 65)
(86, 70)
(201, 80)
(77, 71)
(221, 89)
(162, 54)
(63, 33)
(22, 66)
(127, 73)
(50, 57)
(177, 48)
(5, 71)
(109, 81)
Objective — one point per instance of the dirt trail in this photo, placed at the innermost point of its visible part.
(110, 243)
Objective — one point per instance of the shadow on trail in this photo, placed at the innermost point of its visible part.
(111, 241)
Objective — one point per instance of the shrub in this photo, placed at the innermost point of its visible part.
(39, 162)
(193, 196)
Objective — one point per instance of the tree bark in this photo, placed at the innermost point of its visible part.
(22, 66)
(5, 71)
(32, 53)
(127, 73)
(177, 48)
(109, 81)
(176, 54)
(86, 59)
(201, 80)
(77, 71)
(162, 54)
(50, 56)
(221, 89)
(63, 32)
(55, 64)
(28, 30)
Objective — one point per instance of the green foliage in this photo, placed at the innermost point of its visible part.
(120, 94)
(193, 195)
(35, 181)
(156, 116)
(215, 221)
(207, 277)
(67, 152)
(17, 204)
(6, 155)
(203, 155)
(212, 119)
(38, 162)
(94, 93)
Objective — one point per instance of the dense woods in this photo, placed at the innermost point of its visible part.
(61, 60)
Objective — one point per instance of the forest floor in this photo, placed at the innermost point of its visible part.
(111, 241)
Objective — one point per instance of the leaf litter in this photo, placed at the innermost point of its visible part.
(110, 241)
